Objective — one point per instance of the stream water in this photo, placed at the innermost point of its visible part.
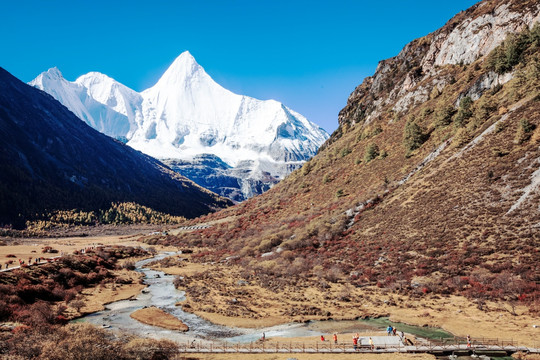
(161, 293)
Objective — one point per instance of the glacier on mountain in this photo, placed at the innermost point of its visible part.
(187, 114)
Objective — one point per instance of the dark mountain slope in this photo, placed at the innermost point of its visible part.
(50, 160)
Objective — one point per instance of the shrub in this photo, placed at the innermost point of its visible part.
(464, 112)
(326, 179)
(413, 136)
(496, 89)
(499, 153)
(434, 93)
(443, 116)
(345, 151)
(524, 131)
(484, 108)
(426, 112)
(461, 137)
(500, 126)
(372, 151)
(77, 304)
(307, 167)
(369, 133)
(129, 265)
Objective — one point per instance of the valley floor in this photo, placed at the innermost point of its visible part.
(94, 298)
(217, 293)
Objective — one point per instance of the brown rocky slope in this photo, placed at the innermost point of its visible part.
(430, 185)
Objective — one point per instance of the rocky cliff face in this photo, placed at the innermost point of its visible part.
(419, 69)
(236, 183)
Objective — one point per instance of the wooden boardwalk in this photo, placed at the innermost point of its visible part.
(330, 348)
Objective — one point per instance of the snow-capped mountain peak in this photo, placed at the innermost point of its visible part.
(186, 114)
(184, 68)
(44, 79)
(98, 100)
(111, 93)
(54, 73)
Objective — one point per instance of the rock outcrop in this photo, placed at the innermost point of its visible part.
(419, 69)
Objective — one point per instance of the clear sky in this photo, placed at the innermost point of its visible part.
(310, 55)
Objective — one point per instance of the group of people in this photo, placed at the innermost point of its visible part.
(392, 331)
(355, 341)
(22, 262)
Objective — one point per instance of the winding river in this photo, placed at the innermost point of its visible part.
(161, 293)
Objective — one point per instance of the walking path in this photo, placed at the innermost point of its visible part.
(261, 347)
(41, 262)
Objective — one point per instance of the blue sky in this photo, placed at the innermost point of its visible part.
(310, 55)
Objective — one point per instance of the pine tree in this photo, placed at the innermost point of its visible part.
(413, 136)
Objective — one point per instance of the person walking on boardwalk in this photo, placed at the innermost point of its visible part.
(468, 341)
(371, 345)
(335, 338)
(355, 343)
(394, 330)
(389, 330)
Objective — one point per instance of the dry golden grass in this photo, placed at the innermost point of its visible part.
(526, 356)
(257, 307)
(96, 298)
(32, 247)
(239, 321)
(191, 269)
(157, 317)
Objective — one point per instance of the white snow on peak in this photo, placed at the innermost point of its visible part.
(77, 98)
(54, 73)
(186, 113)
(183, 68)
(113, 95)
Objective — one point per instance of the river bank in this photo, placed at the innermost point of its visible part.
(218, 293)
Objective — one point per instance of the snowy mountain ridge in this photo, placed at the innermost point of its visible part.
(186, 114)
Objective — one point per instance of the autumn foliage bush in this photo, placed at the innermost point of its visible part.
(33, 295)
(80, 342)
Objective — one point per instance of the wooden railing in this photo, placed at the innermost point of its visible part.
(477, 344)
